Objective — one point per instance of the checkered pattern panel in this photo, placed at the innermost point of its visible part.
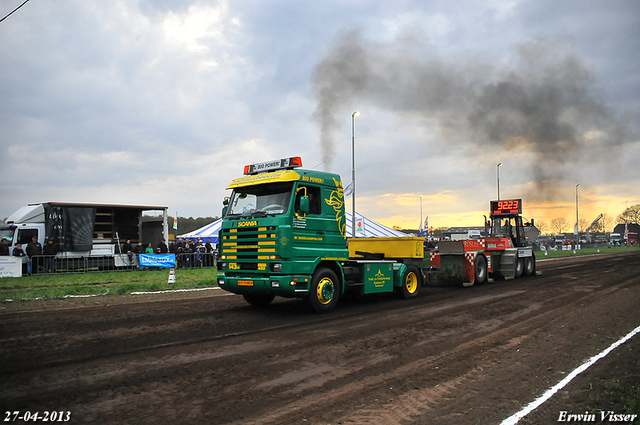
(470, 257)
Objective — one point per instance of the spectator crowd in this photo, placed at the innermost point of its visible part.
(189, 254)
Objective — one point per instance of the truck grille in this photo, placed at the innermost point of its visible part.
(248, 245)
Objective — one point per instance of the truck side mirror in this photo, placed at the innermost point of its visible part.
(304, 204)
(225, 203)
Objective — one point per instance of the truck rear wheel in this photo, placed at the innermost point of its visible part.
(410, 282)
(480, 269)
(324, 292)
(258, 300)
(530, 266)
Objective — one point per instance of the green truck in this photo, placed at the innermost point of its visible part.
(284, 234)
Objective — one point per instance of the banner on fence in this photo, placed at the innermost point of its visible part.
(157, 260)
(10, 266)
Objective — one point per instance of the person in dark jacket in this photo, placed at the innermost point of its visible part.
(18, 251)
(34, 251)
(187, 255)
(180, 253)
(208, 259)
(4, 247)
(138, 249)
(49, 251)
(128, 249)
(162, 247)
(34, 248)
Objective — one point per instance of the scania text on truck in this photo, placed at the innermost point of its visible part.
(284, 234)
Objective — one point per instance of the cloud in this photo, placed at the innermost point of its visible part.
(541, 101)
(164, 101)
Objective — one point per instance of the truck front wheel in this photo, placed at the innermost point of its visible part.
(324, 292)
(410, 282)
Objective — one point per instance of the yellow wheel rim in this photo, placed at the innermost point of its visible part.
(411, 282)
(325, 290)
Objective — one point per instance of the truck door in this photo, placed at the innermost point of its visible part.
(309, 228)
(24, 237)
(519, 237)
(321, 231)
(307, 221)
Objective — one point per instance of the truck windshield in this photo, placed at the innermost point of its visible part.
(6, 234)
(260, 200)
(509, 227)
(502, 227)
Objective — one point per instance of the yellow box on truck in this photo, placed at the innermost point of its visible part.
(391, 247)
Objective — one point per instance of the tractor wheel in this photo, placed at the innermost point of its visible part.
(258, 300)
(519, 267)
(530, 266)
(324, 292)
(480, 270)
(411, 281)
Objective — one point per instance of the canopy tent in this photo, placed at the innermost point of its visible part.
(210, 232)
(365, 227)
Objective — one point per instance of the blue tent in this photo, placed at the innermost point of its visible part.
(365, 227)
(210, 232)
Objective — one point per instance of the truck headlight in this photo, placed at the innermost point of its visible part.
(276, 267)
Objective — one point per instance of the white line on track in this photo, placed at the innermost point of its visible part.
(131, 293)
(512, 420)
(174, 290)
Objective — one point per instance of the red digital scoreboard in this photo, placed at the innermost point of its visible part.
(508, 206)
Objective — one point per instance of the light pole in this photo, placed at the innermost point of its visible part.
(575, 230)
(500, 164)
(626, 224)
(353, 172)
(423, 230)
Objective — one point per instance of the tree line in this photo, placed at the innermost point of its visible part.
(604, 225)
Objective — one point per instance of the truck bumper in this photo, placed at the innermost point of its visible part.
(287, 286)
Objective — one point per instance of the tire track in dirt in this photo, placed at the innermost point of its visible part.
(420, 401)
(415, 405)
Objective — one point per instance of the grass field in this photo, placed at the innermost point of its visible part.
(126, 282)
(122, 282)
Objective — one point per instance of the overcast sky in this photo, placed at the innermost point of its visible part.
(162, 102)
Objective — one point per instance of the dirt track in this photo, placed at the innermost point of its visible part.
(451, 356)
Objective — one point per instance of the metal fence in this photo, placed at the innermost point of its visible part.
(195, 260)
(48, 264)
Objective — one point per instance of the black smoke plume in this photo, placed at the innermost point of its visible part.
(541, 98)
